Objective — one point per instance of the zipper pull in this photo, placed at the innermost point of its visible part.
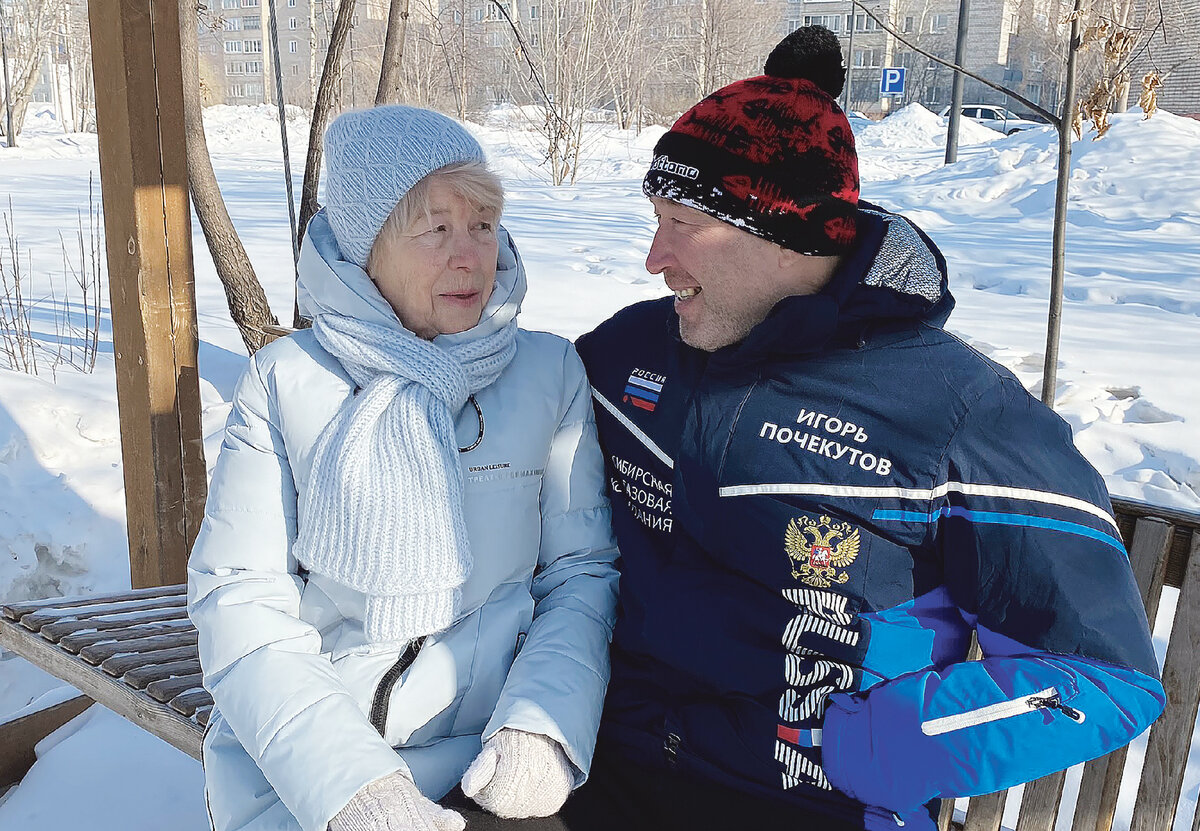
(671, 749)
(1054, 702)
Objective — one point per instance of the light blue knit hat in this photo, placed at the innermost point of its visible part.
(373, 157)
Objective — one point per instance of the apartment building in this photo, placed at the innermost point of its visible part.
(237, 61)
(1011, 42)
(1174, 53)
(461, 55)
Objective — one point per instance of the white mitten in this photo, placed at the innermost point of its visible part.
(393, 803)
(519, 775)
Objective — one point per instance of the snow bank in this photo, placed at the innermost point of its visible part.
(915, 127)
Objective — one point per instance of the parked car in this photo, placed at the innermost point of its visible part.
(994, 116)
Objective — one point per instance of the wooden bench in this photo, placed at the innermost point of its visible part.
(1164, 549)
(135, 653)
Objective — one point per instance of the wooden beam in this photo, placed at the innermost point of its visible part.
(143, 174)
(20, 736)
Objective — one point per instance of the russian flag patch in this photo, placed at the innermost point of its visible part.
(641, 392)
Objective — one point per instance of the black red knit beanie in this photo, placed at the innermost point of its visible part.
(772, 154)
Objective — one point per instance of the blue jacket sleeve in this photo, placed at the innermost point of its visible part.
(1033, 560)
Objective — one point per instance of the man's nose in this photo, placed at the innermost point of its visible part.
(659, 257)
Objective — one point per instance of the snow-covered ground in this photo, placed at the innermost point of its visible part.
(1126, 379)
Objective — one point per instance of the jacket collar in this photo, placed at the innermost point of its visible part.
(894, 277)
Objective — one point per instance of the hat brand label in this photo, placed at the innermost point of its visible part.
(665, 164)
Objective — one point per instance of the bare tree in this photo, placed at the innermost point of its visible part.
(562, 72)
(32, 26)
(393, 54)
(243, 293)
(330, 74)
(628, 57)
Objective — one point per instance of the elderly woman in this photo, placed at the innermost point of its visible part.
(405, 572)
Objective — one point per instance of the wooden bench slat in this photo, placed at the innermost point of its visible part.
(945, 815)
(140, 676)
(167, 688)
(1185, 523)
(984, 813)
(1097, 802)
(134, 705)
(118, 665)
(15, 611)
(78, 641)
(59, 629)
(1166, 750)
(192, 702)
(99, 652)
(1039, 803)
(36, 620)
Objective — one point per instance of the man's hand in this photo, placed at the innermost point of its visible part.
(393, 803)
(519, 775)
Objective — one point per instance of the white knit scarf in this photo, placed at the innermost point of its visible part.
(384, 504)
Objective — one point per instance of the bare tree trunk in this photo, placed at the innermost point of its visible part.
(330, 75)
(247, 301)
(22, 96)
(393, 54)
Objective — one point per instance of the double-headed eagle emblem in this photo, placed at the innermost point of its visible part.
(818, 549)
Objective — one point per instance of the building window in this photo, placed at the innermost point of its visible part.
(231, 4)
(832, 22)
(291, 23)
(251, 23)
(939, 23)
(235, 90)
(291, 4)
(254, 67)
(457, 16)
(909, 20)
(235, 69)
(793, 25)
(295, 69)
(479, 15)
(233, 47)
(293, 46)
(533, 12)
(863, 23)
(254, 46)
(868, 57)
(496, 39)
(533, 39)
(233, 24)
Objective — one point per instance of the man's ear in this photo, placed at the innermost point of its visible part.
(787, 257)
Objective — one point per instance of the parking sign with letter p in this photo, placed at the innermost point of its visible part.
(892, 81)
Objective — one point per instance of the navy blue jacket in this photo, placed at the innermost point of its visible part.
(815, 520)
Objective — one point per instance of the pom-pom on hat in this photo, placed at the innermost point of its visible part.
(772, 154)
(374, 157)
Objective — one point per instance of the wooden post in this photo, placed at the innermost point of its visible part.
(143, 173)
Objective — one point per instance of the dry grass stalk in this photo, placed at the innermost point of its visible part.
(76, 337)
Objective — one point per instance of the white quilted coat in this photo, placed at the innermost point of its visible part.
(283, 651)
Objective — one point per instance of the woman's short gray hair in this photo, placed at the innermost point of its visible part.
(470, 180)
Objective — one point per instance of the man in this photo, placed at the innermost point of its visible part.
(820, 494)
